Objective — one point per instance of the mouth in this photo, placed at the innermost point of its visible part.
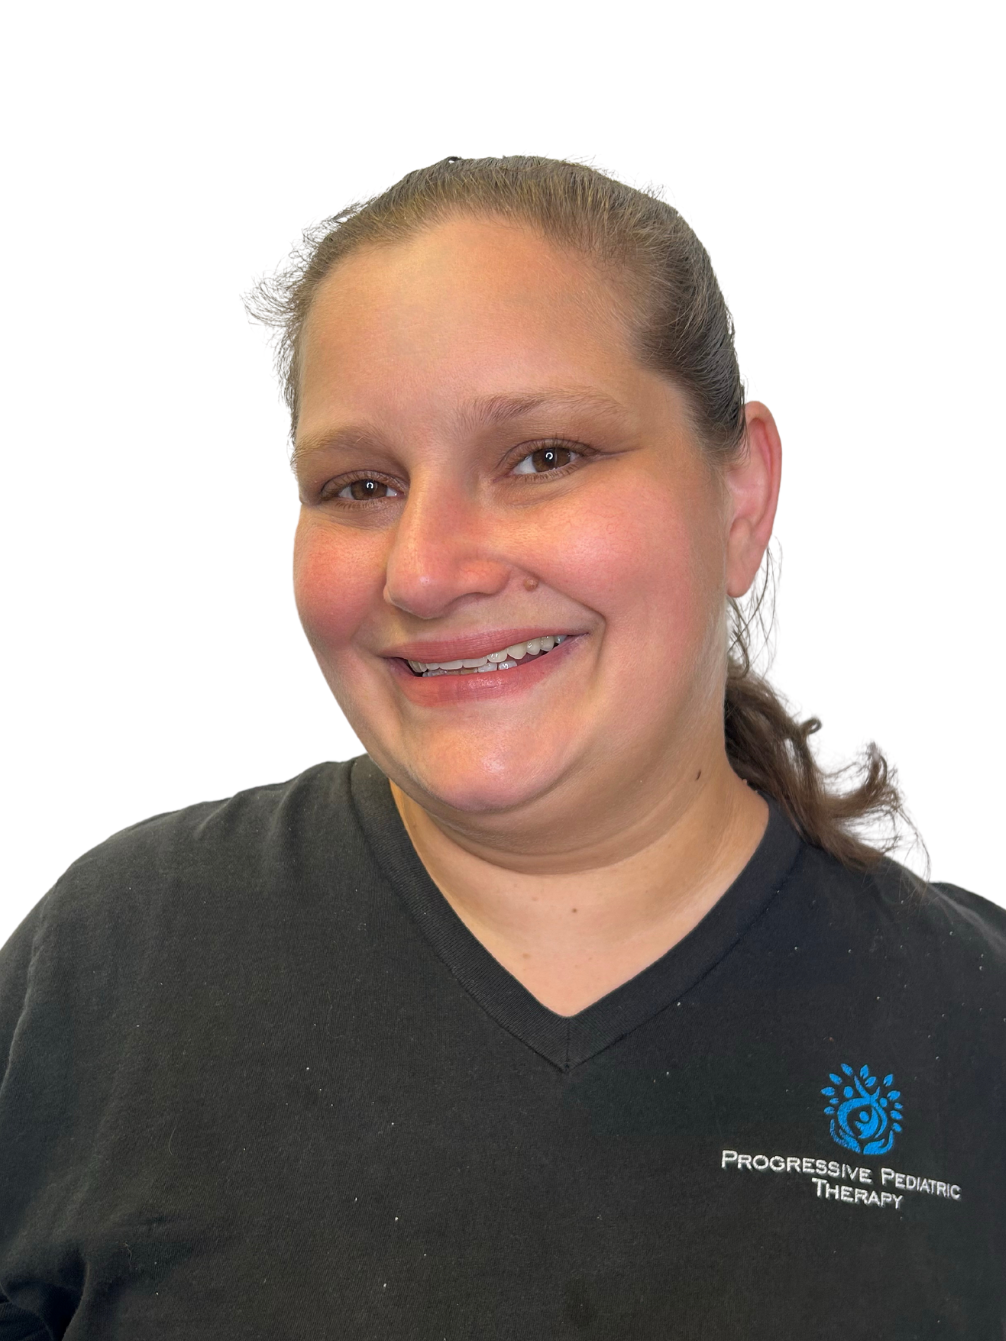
(504, 659)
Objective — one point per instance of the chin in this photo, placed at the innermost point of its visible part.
(480, 788)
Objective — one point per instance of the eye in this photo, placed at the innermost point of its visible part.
(550, 456)
(359, 491)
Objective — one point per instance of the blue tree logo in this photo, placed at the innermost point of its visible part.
(864, 1115)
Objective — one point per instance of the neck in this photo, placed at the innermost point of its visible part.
(572, 929)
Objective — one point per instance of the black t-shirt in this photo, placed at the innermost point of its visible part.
(263, 1083)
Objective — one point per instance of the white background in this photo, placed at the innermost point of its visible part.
(841, 162)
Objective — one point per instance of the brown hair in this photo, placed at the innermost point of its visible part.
(680, 326)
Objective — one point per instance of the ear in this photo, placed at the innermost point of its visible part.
(752, 495)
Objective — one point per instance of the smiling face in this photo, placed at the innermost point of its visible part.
(482, 462)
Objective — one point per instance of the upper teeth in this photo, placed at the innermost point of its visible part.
(493, 660)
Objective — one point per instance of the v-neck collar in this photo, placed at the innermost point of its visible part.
(566, 1040)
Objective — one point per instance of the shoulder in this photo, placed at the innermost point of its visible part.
(890, 913)
(246, 824)
(974, 919)
(200, 854)
(185, 897)
(964, 923)
(193, 906)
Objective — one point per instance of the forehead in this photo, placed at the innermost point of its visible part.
(466, 310)
(499, 267)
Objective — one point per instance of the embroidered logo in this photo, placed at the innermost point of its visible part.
(864, 1114)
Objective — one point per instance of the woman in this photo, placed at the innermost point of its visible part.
(576, 1005)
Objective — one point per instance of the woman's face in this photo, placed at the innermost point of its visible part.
(482, 462)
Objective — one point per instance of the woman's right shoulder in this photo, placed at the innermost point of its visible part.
(182, 904)
(209, 851)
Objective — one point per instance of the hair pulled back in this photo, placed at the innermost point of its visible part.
(680, 327)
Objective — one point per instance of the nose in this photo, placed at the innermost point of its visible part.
(444, 548)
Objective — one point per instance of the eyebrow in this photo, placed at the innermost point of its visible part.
(480, 413)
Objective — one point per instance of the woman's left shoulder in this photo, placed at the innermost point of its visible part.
(974, 923)
(965, 928)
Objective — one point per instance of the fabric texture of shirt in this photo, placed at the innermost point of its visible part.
(261, 1082)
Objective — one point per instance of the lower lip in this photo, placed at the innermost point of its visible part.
(437, 690)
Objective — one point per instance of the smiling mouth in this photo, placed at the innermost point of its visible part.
(507, 658)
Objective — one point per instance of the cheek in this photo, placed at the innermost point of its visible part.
(646, 562)
(334, 584)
